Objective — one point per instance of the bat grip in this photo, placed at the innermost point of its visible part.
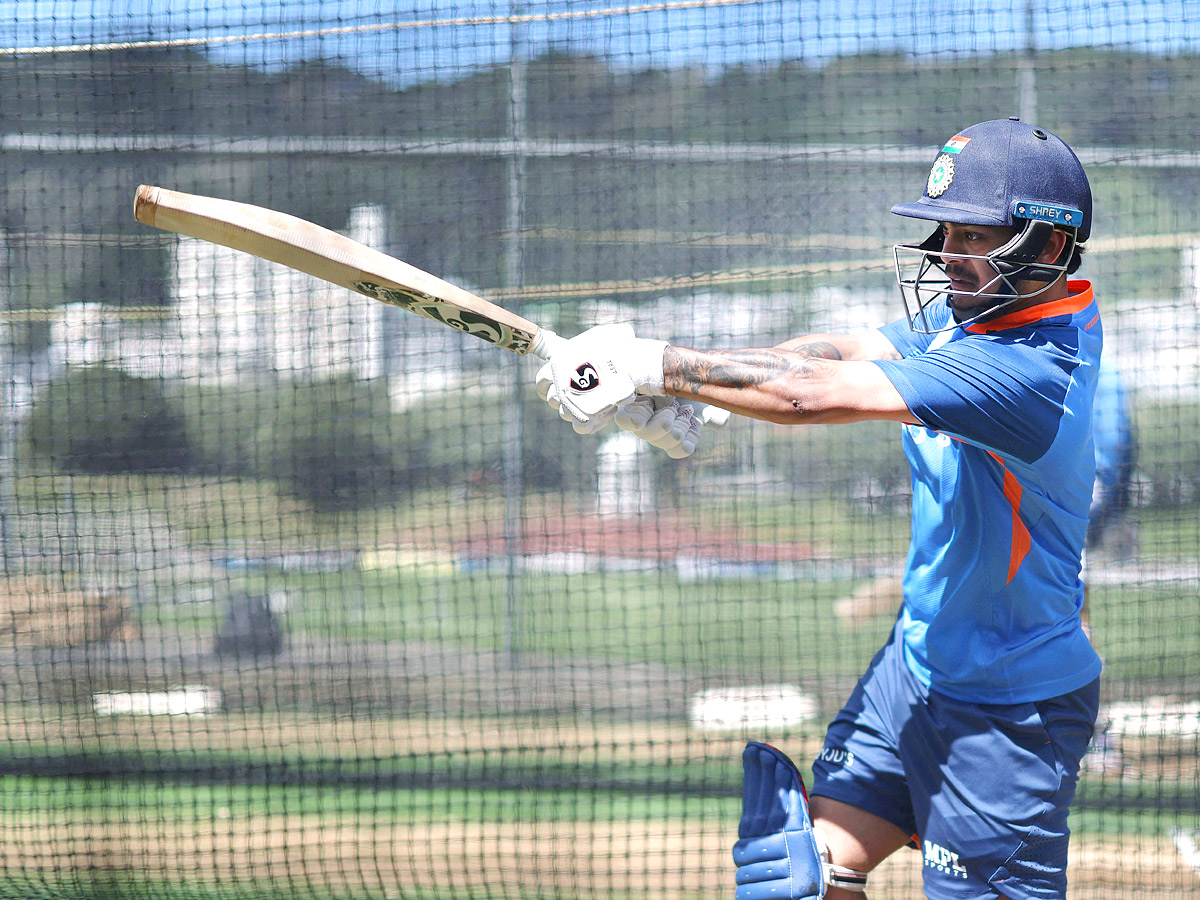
(546, 343)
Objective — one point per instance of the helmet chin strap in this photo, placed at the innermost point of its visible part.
(1005, 295)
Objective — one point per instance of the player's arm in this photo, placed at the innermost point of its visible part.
(862, 345)
(815, 379)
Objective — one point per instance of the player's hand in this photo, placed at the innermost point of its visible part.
(589, 376)
(672, 425)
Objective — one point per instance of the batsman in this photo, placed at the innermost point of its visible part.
(964, 736)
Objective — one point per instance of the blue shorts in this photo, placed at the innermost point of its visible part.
(983, 789)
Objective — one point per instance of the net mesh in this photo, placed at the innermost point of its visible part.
(303, 596)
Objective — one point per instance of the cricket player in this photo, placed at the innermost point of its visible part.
(963, 739)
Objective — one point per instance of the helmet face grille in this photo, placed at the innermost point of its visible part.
(921, 275)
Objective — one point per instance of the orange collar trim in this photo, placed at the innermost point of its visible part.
(1079, 296)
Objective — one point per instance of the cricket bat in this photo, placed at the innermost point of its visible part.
(327, 255)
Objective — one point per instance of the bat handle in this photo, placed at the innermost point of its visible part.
(546, 343)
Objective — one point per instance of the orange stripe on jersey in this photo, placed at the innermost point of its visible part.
(1021, 539)
(1079, 297)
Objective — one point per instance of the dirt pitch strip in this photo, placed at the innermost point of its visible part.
(653, 859)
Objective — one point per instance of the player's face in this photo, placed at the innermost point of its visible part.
(967, 275)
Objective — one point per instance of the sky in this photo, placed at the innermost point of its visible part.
(412, 41)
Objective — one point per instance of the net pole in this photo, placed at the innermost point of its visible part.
(1027, 99)
(514, 425)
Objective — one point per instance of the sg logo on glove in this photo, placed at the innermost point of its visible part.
(585, 378)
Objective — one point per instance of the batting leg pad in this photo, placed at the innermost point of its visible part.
(777, 856)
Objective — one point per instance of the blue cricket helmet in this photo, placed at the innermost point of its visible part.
(1000, 173)
(984, 172)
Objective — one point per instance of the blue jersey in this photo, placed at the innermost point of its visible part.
(1002, 469)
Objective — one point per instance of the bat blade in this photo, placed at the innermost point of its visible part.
(307, 247)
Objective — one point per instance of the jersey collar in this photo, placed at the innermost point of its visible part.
(1079, 296)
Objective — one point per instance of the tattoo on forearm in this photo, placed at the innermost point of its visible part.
(819, 350)
(737, 369)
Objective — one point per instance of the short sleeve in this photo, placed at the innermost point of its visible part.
(906, 341)
(1001, 394)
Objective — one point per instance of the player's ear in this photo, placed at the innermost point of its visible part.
(1054, 247)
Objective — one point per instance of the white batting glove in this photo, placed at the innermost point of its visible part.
(713, 415)
(672, 425)
(589, 376)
